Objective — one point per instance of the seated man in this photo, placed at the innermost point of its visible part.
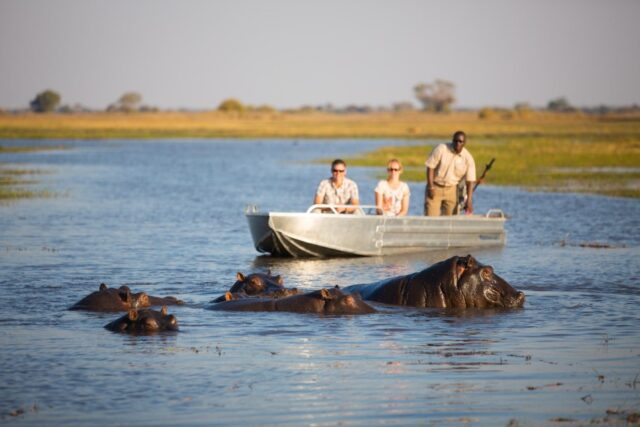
(338, 190)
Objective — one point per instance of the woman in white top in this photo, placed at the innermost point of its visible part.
(392, 195)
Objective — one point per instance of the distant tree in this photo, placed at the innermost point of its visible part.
(130, 101)
(437, 97)
(560, 105)
(45, 101)
(231, 104)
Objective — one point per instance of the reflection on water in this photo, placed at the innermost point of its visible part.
(166, 217)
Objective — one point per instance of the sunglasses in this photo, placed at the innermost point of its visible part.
(393, 169)
(338, 170)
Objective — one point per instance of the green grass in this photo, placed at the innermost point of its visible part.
(590, 163)
(29, 149)
(13, 182)
(542, 151)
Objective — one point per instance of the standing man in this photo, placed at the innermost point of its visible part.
(447, 165)
(338, 190)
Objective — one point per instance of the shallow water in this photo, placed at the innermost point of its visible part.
(166, 217)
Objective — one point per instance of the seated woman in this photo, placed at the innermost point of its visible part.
(392, 195)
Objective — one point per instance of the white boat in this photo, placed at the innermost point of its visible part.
(322, 232)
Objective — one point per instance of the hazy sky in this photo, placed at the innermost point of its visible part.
(287, 53)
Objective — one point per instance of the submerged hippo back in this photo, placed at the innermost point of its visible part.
(107, 299)
(323, 301)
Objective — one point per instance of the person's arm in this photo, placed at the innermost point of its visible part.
(354, 202)
(379, 209)
(430, 175)
(469, 208)
(404, 209)
(317, 200)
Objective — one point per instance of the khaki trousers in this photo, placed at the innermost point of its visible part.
(443, 203)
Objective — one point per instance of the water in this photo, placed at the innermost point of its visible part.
(166, 217)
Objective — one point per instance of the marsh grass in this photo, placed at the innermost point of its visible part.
(541, 151)
(215, 124)
(29, 149)
(15, 182)
(592, 164)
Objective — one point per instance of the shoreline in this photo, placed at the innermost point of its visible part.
(559, 152)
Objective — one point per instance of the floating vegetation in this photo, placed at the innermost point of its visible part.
(592, 245)
(29, 149)
(15, 182)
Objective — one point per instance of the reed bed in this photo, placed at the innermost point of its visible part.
(214, 124)
(539, 151)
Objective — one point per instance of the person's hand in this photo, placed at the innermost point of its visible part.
(430, 191)
(469, 208)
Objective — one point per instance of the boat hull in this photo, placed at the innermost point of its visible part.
(327, 235)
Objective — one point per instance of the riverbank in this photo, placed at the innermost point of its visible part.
(597, 154)
(215, 124)
(597, 164)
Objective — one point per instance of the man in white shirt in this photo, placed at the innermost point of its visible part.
(447, 165)
(338, 190)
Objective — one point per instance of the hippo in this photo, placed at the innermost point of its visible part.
(120, 299)
(458, 282)
(323, 301)
(257, 285)
(144, 321)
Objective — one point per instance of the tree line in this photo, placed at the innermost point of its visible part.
(436, 97)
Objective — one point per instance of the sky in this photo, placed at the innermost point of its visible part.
(288, 53)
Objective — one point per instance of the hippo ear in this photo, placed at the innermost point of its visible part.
(103, 287)
(325, 294)
(125, 295)
(471, 261)
(269, 272)
(240, 277)
(279, 280)
(133, 315)
(486, 273)
(350, 300)
(228, 296)
(164, 310)
(336, 287)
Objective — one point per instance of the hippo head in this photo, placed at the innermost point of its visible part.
(481, 287)
(257, 283)
(129, 299)
(144, 321)
(124, 293)
(337, 302)
(140, 300)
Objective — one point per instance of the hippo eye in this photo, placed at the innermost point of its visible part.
(151, 324)
(492, 295)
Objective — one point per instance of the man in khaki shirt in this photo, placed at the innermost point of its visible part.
(447, 165)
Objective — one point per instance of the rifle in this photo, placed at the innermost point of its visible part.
(462, 187)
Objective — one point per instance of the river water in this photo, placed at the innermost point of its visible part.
(167, 217)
